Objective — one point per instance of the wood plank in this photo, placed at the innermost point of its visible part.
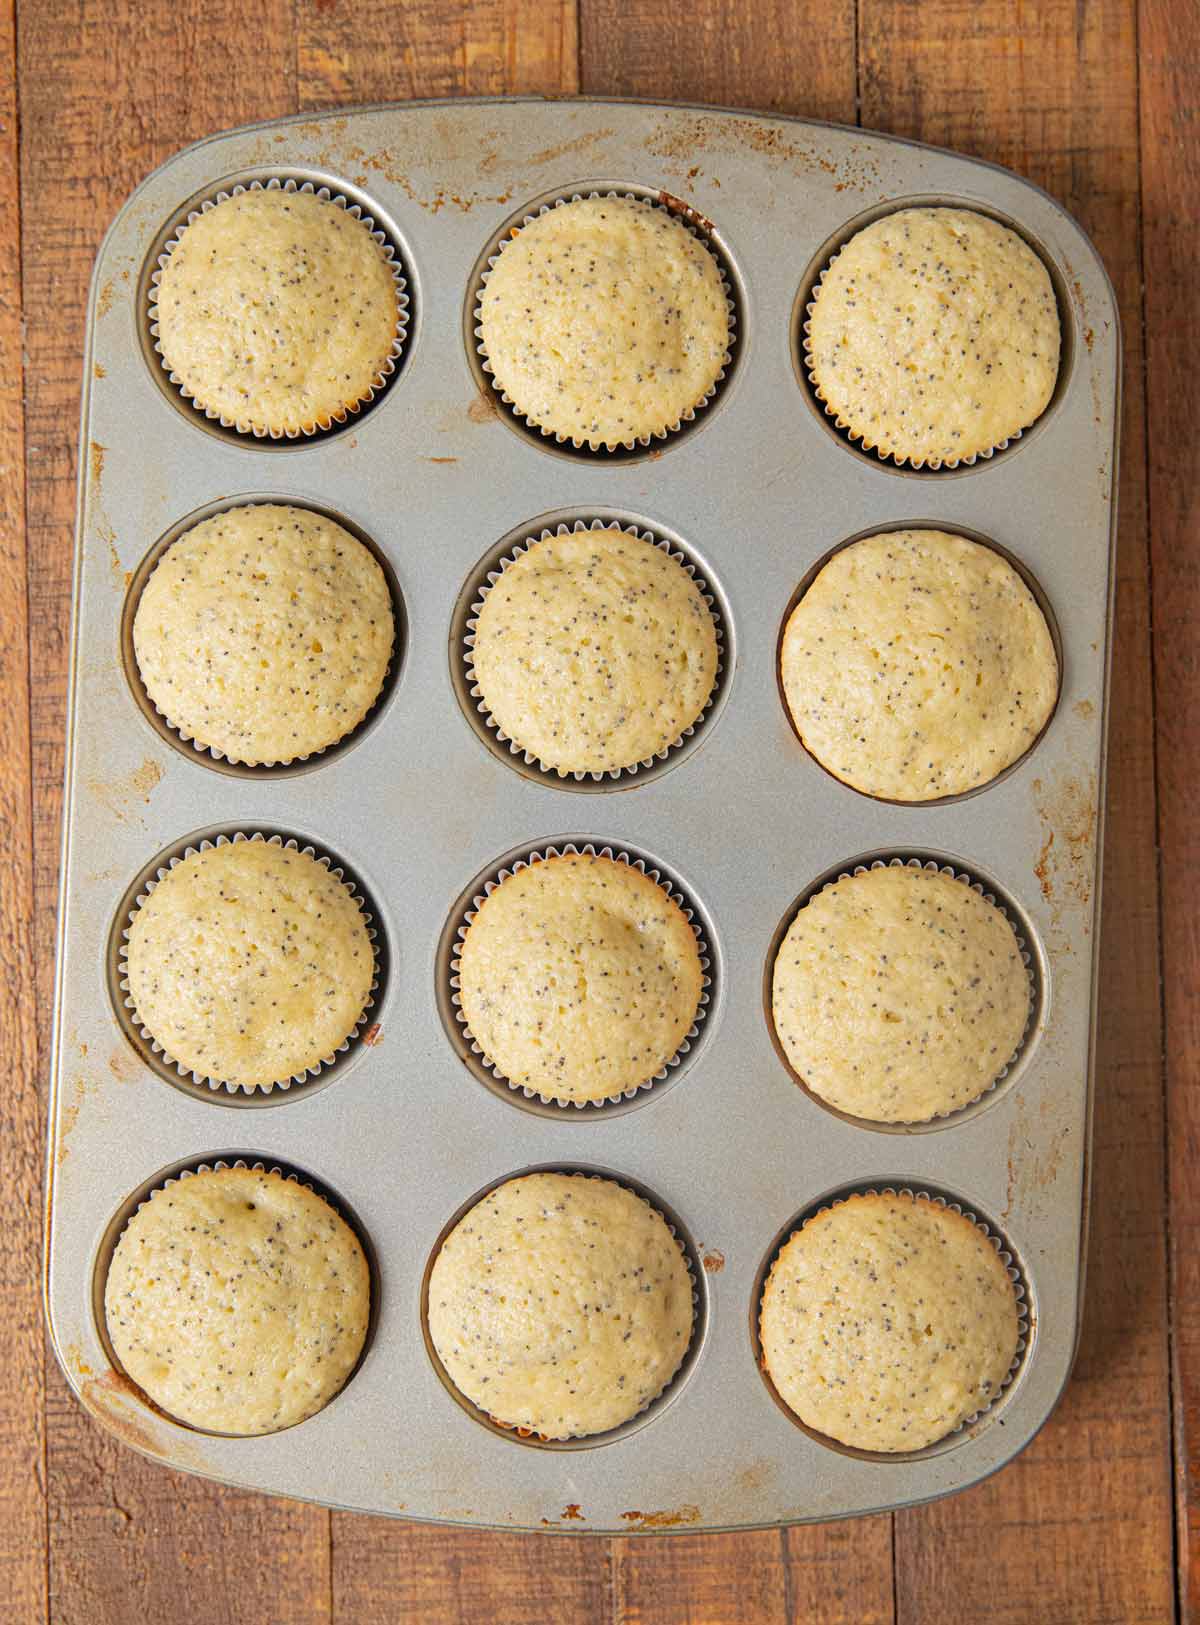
(108, 92)
(783, 56)
(788, 56)
(390, 1571)
(22, 1430)
(376, 52)
(1169, 48)
(1079, 1527)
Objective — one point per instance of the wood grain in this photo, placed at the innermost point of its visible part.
(784, 56)
(789, 56)
(1051, 91)
(1169, 41)
(1079, 1528)
(22, 1426)
(373, 51)
(108, 91)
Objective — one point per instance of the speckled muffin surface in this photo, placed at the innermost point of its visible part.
(560, 1304)
(579, 977)
(249, 962)
(887, 1321)
(237, 1300)
(899, 994)
(265, 633)
(918, 664)
(595, 650)
(277, 311)
(934, 335)
(605, 320)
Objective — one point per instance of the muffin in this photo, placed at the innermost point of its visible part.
(933, 336)
(605, 321)
(249, 963)
(237, 1300)
(918, 665)
(560, 1305)
(887, 1321)
(264, 633)
(899, 994)
(277, 311)
(579, 978)
(594, 651)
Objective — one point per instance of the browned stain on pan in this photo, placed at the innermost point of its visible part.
(373, 1035)
(1034, 1153)
(1067, 806)
(569, 149)
(482, 409)
(117, 794)
(97, 452)
(713, 1261)
(692, 216)
(116, 1402)
(81, 1088)
(121, 1065)
(683, 139)
(671, 1519)
(384, 163)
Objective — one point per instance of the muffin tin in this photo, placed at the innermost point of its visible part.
(421, 808)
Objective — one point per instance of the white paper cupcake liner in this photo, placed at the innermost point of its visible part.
(665, 884)
(1015, 1274)
(216, 1165)
(494, 575)
(166, 1060)
(528, 1436)
(966, 878)
(688, 221)
(390, 254)
(284, 761)
(860, 437)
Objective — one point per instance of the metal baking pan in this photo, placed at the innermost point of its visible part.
(424, 803)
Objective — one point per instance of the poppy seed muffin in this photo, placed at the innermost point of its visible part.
(887, 1321)
(277, 311)
(899, 994)
(918, 665)
(560, 1304)
(934, 336)
(604, 321)
(579, 978)
(249, 962)
(265, 633)
(237, 1300)
(594, 651)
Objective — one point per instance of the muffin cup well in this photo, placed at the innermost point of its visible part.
(210, 755)
(1024, 948)
(689, 220)
(859, 439)
(494, 575)
(981, 539)
(645, 1412)
(1016, 1275)
(215, 1164)
(387, 249)
(166, 1062)
(589, 849)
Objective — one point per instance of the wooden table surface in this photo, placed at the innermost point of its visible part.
(1096, 100)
